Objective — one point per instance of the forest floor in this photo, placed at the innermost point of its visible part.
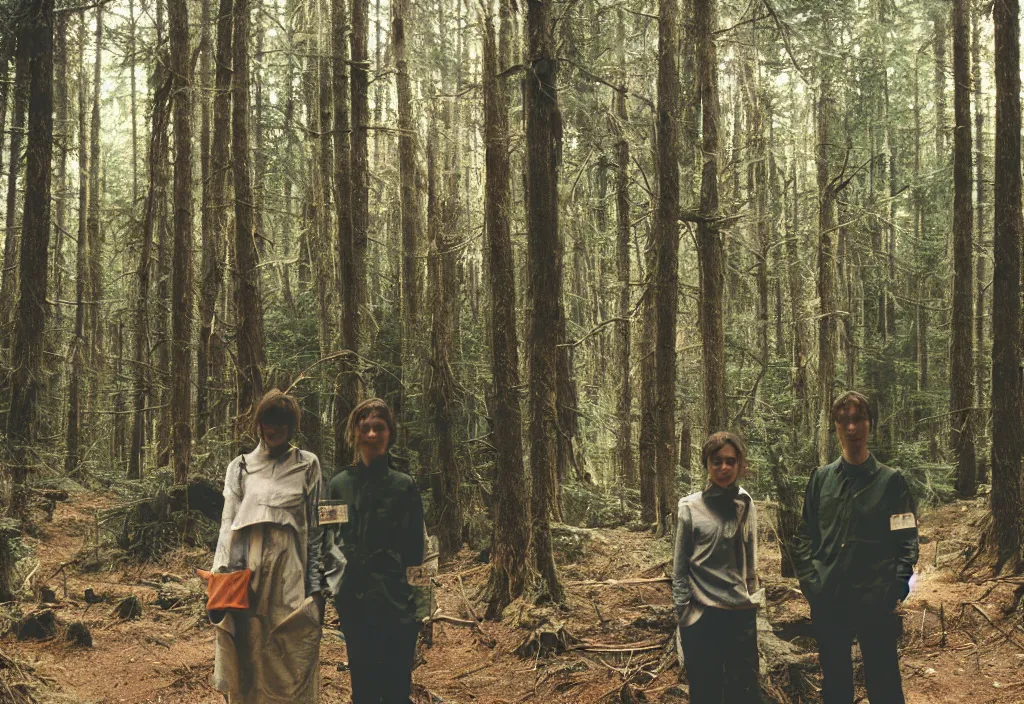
(166, 655)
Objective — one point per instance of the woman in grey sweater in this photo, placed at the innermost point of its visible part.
(715, 580)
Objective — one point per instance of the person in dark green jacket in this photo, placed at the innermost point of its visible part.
(855, 557)
(373, 520)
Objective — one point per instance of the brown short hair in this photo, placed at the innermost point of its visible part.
(716, 441)
(369, 407)
(275, 399)
(852, 398)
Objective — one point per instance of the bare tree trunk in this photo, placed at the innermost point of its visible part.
(980, 366)
(666, 271)
(710, 250)
(62, 135)
(961, 371)
(9, 277)
(158, 146)
(510, 544)
(796, 297)
(624, 406)
(181, 355)
(1007, 412)
(96, 236)
(36, 40)
(209, 216)
(214, 247)
(73, 431)
(543, 155)
(317, 201)
(648, 395)
(360, 174)
(441, 386)
(412, 218)
(826, 273)
(346, 393)
(939, 49)
(248, 299)
(132, 29)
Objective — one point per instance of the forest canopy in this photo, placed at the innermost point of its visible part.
(563, 240)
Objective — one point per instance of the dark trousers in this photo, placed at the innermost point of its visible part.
(380, 655)
(720, 652)
(877, 631)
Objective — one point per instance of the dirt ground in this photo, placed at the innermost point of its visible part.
(958, 646)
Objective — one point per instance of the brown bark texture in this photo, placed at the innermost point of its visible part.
(1007, 411)
(346, 390)
(666, 271)
(158, 146)
(624, 401)
(33, 309)
(181, 285)
(827, 342)
(215, 214)
(961, 352)
(12, 235)
(248, 301)
(77, 353)
(543, 154)
(710, 248)
(510, 544)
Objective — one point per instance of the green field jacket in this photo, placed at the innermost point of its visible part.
(381, 536)
(858, 537)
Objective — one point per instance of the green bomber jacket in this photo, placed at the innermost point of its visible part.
(379, 539)
(858, 539)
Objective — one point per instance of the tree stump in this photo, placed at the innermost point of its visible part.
(78, 634)
(128, 609)
(38, 625)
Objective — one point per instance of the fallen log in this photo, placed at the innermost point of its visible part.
(620, 582)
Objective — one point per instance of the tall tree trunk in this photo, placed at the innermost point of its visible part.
(444, 299)
(961, 362)
(1007, 411)
(360, 170)
(826, 273)
(96, 237)
(543, 155)
(939, 48)
(36, 40)
(325, 270)
(796, 297)
(207, 299)
(346, 392)
(510, 544)
(318, 143)
(412, 218)
(248, 300)
(9, 277)
(181, 355)
(666, 228)
(214, 243)
(62, 137)
(624, 406)
(158, 146)
(710, 249)
(980, 367)
(132, 29)
(72, 439)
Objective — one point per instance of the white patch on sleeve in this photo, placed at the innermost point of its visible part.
(333, 513)
(901, 521)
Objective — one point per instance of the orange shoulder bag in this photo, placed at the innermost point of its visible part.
(228, 591)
